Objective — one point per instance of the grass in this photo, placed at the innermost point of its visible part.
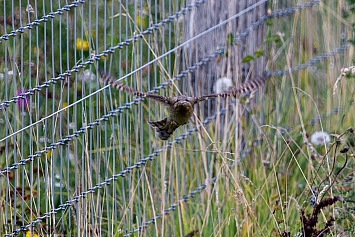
(259, 152)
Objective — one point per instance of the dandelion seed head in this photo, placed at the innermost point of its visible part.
(320, 138)
(222, 85)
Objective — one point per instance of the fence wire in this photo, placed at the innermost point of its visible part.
(142, 162)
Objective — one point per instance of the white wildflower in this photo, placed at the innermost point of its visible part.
(71, 156)
(320, 138)
(72, 125)
(222, 85)
(29, 8)
(87, 76)
(44, 139)
(57, 182)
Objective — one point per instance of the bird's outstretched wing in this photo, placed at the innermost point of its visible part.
(119, 86)
(249, 86)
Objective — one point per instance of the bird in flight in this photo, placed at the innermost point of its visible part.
(180, 108)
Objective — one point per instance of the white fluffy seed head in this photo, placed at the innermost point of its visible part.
(320, 138)
(222, 85)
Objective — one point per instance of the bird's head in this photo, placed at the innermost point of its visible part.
(183, 104)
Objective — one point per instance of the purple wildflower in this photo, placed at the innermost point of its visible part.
(23, 101)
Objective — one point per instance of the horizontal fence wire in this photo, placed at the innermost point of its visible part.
(105, 53)
(244, 152)
(45, 18)
(275, 14)
(112, 113)
(184, 73)
(141, 163)
(181, 75)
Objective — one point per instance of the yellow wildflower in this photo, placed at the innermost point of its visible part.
(64, 105)
(82, 44)
(143, 20)
(28, 234)
(49, 154)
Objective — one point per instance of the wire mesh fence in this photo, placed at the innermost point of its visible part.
(77, 157)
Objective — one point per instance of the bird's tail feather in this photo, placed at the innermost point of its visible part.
(162, 129)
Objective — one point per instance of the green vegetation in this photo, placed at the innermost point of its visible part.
(262, 154)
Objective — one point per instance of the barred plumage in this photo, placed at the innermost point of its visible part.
(180, 107)
(249, 86)
(119, 86)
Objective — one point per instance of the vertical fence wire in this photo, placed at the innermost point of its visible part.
(122, 204)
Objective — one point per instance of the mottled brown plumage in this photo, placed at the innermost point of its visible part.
(180, 108)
